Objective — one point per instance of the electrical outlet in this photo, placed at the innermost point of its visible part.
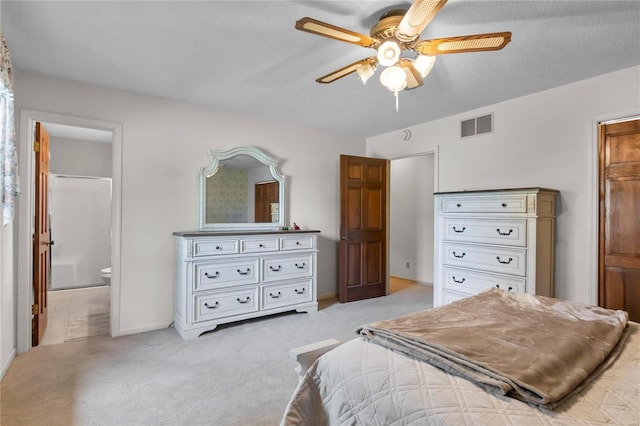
(408, 265)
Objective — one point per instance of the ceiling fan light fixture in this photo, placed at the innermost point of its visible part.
(423, 64)
(388, 53)
(365, 72)
(395, 79)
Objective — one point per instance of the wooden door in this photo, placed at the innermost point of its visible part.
(265, 194)
(619, 233)
(42, 235)
(363, 228)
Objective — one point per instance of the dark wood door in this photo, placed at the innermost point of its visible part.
(42, 235)
(265, 194)
(363, 228)
(619, 251)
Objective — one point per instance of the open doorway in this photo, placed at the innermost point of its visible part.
(97, 179)
(412, 185)
(78, 293)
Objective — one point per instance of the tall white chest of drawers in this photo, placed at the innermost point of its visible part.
(223, 277)
(499, 238)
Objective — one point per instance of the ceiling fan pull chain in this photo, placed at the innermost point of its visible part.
(396, 95)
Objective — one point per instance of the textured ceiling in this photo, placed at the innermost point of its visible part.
(246, 56)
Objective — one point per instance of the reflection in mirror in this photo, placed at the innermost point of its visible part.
(241, 189)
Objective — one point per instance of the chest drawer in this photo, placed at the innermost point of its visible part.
(486, 258)
(502, 232)
(473, 282)
(277, 295)
(485, 204)
(282, 268)
(211, 276)
(206, 247)
(297, 242)
(256, 245)
(225, 303)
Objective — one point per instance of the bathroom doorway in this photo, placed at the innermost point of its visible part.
(88, 141)
(80, 196)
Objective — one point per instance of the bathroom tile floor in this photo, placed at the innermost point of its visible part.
(77, 314)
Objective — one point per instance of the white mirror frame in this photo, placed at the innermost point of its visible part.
(214, 159)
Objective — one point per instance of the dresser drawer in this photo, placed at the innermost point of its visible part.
(256, 245)
(503, 232)
(473, 282)
(485, 204)
(275, 296)
(486, 258)
(220, 304)
(210, 275)
(283, 268)
(296, 242)
(448, 297)
(213, 247)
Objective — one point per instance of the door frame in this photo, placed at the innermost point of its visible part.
(435, 151)
(28, 118)
(595, 192)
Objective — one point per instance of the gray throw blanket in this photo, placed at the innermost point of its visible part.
(535, 348)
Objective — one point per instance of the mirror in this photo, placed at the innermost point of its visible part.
(240, 189)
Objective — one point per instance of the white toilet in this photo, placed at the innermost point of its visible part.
(105, 274)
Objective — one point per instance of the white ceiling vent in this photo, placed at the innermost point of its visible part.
(476, 126)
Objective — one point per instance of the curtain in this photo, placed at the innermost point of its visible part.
(9, 184)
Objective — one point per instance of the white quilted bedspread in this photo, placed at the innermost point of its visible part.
(361, 383)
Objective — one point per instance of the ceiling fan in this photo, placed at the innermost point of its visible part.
(395, 37)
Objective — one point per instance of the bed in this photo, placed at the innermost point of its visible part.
(497, 358)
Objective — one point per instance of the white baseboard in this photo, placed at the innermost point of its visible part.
(7, 364)
(144, 328)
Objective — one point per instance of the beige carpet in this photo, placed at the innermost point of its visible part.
(239, 374)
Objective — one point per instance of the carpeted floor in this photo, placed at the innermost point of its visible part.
(238, 374)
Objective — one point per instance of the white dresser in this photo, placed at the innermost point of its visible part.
(499, 238)
(229, 276)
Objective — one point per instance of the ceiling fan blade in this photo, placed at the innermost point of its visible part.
(417, 18)
(470, 43)
(414, 79)
(331, 77)
(314, 26)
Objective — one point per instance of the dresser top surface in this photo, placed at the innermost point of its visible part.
(190, 234)
(503, 190)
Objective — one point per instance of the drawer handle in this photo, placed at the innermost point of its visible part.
(297, 243)
(503, 261)
(456, 281)
(458, 205)
(216, 275)
(261, 245)
(304, 265)
(244, 273)
(244, 301)
(504, 233)
(504, 204)
(275, 296)
(299, 291)
(508, 289)
(275, 269)
(211, 307)
(459, 256)
(459, 231)
(218, 248)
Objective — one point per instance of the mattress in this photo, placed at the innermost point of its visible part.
(361, 383)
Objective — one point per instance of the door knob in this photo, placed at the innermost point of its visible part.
(49, 243)
(344, 238)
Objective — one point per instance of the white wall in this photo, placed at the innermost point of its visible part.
(411, 218)
(7, 300)
(165, 143)
(546, 139)
(79, 157)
